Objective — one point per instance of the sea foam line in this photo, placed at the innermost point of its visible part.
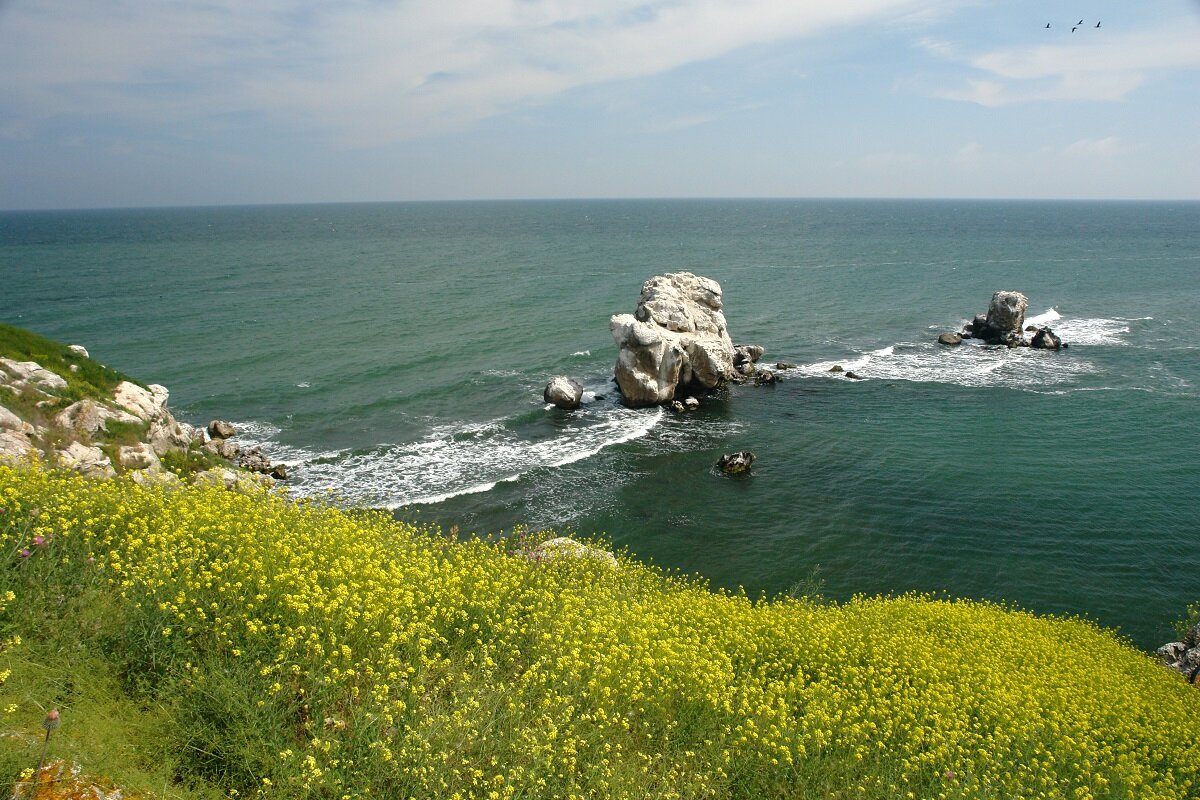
(450, 461)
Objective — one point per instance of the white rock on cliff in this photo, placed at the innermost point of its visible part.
(85, 460)
(86, 416)
(26, 372)
(15, 447)
(677, 337)
(145, 404)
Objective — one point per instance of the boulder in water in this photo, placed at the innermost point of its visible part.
(1045, 339)
(1003, 322)
(745, 357)
(563, 392)
(218, 429)
(736, 463)
(951, 339)
(676, 339)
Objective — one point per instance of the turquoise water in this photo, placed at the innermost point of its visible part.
(396, 354)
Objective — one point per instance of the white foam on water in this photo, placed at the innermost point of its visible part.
(450, 460)
(978, 365)
(967, 365)
(1093, 331)
(582, 353)
(1045, 318)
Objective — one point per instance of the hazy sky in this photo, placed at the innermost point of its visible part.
(181, 102)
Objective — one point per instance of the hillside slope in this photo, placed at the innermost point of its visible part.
(301, 651)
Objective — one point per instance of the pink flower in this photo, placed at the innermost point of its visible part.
(24, 552)
(39, 540)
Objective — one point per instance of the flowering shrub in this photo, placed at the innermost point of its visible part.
(306, 651)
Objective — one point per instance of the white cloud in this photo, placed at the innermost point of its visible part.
(368, 72)
(1098, 66)
(1095, 148)
(970, 154)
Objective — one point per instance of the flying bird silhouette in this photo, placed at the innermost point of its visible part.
(1097, 24)
(1074, 29)
(1047, 24)
(1079, 23)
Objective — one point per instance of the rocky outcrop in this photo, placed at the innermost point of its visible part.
(127, 430)
(736, 463)
(745, 357)
(1003, 324)
(86, 460)
(1183, 655)
(15, 447)
(217, 429)
(1045, 339)
(233, 479)
(563, 392)
(676, 340)
(19, 374)
(565, 547)
(87, 417)
(1004, 321)
(951, 339)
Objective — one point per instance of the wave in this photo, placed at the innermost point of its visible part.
(451, 460)
(974, 364)
(1045, 318)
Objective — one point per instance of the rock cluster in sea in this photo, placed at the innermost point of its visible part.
(676, 342)
(1004, 324)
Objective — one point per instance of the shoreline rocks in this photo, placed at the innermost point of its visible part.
(1183, 656)
(129, 431)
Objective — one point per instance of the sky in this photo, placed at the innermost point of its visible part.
(131, 103)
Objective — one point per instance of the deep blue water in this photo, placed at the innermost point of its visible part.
(396, 353)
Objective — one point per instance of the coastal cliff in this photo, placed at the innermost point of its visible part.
(64, 409)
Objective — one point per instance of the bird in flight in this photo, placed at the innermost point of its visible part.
(1074, 29)
(1097, 24)
(1079, 23)
(1047, 24)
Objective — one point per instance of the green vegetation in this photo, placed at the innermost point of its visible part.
(90, 378)
(201, 641)
(187, 463)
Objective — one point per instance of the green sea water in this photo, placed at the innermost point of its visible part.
(396, 353)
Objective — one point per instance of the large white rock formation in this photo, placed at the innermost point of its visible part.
(676, 338)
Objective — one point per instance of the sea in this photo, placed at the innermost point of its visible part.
(393, 355)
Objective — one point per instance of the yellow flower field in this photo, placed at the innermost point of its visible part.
(304, 651)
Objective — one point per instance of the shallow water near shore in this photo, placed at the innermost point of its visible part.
(396, 353)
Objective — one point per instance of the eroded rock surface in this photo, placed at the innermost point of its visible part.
(563, 392)
(677, 338)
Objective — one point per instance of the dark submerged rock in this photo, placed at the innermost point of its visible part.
(1045, 339)
(736, 463)
(951, 339)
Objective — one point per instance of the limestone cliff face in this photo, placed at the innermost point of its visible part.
(676, 340)
(97, 436)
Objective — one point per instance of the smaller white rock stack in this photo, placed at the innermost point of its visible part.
(676, 338)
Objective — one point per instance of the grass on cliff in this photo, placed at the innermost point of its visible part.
(200, 641)
(90, 378)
